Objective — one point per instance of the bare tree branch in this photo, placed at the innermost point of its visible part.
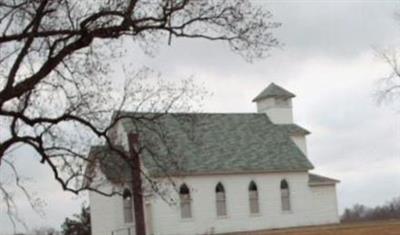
(56, 92)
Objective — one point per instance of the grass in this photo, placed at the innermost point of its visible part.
(391, 227)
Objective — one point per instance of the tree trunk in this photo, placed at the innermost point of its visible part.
(137, 190)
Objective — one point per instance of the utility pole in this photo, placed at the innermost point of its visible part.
(137, 190)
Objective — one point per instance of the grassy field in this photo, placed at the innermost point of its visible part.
(372, 228)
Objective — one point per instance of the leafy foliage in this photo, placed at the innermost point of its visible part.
(79, 224)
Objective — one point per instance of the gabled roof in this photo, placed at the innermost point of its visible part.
(273, 90)
(318, 180)
(212, 143)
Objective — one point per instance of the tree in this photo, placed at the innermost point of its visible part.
(389, 86)
(390, 210)
(354, 214)
(56, 95)
(79, 224)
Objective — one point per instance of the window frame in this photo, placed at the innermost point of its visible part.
(286, 205)
(185, 202)
(254, 200)
(220, 201)
(127, 206)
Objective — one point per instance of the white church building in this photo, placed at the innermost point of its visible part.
(214, 173)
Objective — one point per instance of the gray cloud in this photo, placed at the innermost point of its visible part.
(336, 28)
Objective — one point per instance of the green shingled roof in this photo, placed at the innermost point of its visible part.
(274, 90)
(111, 164)
(294, 129)
(204, 143)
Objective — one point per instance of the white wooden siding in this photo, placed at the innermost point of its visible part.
(309, 206)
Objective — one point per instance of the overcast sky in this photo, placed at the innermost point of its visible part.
(327, 60)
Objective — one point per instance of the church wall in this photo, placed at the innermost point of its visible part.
(277, 112)
(310, 206)
(264, 104)
(106, 213)
(300, 141)
(280, 115)
(103, 213)
(325, 203)
(122, 138)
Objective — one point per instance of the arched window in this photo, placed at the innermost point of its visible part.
(285, 196)
(220, 200)
(128, 208)
(253, 198)
(186, 207)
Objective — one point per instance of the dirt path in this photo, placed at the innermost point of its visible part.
(372, 228)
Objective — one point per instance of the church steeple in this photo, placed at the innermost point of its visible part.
(276, 102)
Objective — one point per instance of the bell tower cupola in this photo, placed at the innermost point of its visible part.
(276, 102)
